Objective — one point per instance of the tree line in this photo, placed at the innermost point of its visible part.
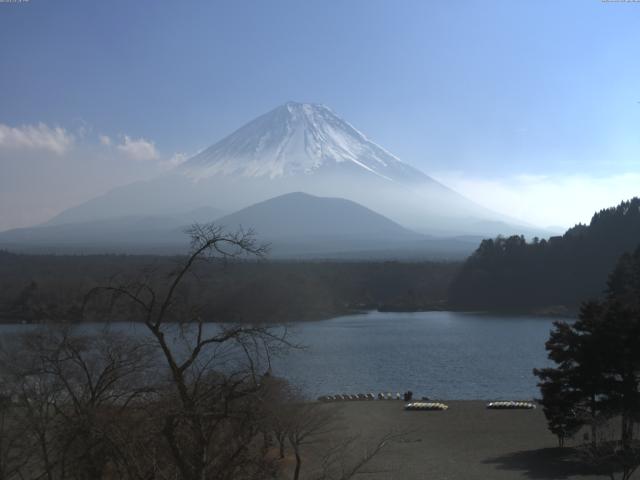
(33, 287)
(513, 273)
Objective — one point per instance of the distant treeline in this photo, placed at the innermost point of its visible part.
(558, 274)
(40, 288)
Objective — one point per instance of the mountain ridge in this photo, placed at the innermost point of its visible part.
(307, 148)
(299, 214)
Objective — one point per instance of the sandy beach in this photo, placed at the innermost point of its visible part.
(465, 442)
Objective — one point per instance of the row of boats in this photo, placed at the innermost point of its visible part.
(511, 405)
(359, 396)
(425, 404)
(502, 405)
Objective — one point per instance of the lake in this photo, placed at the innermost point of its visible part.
(443, 355)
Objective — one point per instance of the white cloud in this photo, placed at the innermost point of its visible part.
(36, 137)
(73, 166)
(105, 140)
(546, 200)
(138, 149)
(175, 160)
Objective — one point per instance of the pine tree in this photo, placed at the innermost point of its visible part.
(597, 372)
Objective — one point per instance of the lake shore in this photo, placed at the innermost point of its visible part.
(465, 442)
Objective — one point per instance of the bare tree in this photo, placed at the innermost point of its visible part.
(308, 424)
(314, 431)
(15, 451)
(340, 462)
(182, 399)
(208, 419)
(68, 390)
(275, 398)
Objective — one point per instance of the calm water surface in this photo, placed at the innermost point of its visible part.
(444, 355)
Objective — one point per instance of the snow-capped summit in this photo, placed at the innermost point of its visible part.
(298, 139)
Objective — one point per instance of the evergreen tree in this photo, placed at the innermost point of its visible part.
(511, 273)
(571, 392)
(597, 372)
(558, 405)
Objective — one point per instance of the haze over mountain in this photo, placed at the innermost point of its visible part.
(128, 233)
(298, 215)
(303, 226)
(299, 148)
(296, 225)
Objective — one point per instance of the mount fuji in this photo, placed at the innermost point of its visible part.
(299, 147)
(298, 139)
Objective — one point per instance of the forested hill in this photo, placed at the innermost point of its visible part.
(40, 288)
(513, 274)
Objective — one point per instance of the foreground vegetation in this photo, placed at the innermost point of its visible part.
(184, 400)
(190, 400)
(596, 381)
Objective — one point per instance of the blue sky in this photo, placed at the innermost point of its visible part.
(511, 102)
